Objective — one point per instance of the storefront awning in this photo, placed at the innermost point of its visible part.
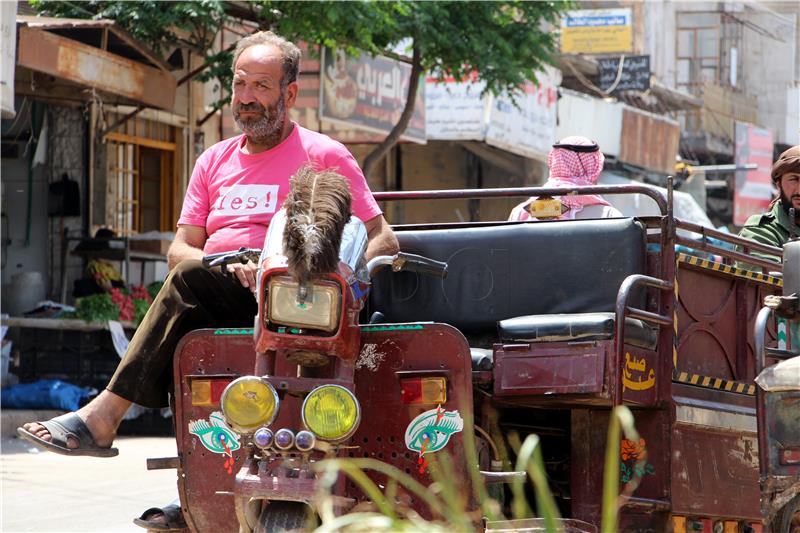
(57, 56)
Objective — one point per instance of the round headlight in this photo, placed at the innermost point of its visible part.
(249, 403)
(331, 412)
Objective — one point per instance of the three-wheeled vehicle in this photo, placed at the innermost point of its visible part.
(541, 327)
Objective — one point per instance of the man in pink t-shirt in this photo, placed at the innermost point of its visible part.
(236, 187)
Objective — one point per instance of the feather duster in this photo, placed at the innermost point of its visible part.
(317, 210)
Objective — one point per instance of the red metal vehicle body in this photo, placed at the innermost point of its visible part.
(542, 327)
(779, 409)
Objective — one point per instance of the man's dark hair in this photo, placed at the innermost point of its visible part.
(289, 51)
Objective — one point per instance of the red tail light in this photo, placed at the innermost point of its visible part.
(423, 390)
(207, 392)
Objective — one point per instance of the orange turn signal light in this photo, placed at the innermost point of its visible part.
(207, 392)
(423, 390)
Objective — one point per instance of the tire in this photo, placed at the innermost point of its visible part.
(788, 518)
(282, 517)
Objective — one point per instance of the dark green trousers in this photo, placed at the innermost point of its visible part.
(192, 297)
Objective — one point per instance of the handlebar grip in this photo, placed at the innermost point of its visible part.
(242, 255)
(422, 265)
(208, 260)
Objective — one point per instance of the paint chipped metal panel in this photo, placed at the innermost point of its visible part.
(715, 473)
(91, 67)
(710, 418)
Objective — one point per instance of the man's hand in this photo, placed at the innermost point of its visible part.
(246, 274)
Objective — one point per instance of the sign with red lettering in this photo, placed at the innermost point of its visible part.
(248, 199)
(369, 93)
(754, 189)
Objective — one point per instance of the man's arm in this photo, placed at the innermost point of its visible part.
(763, 235)
(381, 238)
(188, 244)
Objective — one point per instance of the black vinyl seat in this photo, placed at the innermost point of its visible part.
(575, 327)
(540, 281)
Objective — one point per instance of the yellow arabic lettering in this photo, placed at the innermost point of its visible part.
(639, 365)
(635, 364)
(628, 383)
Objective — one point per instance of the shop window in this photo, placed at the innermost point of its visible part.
(142, 179)
(698, 50)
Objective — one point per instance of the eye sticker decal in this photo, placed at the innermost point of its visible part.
(431, 431)
(216, 436)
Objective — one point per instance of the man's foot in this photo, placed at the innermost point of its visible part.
(63, 430)
(102, 432)
(89, 431)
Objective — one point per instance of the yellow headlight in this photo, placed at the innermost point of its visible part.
(321, 311)
(331, 412)
(249, 403)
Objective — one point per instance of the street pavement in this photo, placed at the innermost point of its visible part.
(46, 492)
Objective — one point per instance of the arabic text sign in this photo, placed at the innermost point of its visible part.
(530, 130)
(754, 190)
(635, 74)
(368, 93)
(597, 31)
(455, 110)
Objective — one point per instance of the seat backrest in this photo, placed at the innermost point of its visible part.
(513, 269)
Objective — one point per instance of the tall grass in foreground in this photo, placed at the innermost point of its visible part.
(450, 507)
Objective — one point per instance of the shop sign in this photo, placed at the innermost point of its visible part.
(635, 74)
(597, 31)
(455, 110)
(369, 93)
(526, 127)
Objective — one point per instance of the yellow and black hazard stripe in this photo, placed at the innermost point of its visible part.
(697, 379)
(727, 269)
(714, 383)
(675, 320)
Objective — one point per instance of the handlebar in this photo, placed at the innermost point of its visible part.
(419, 264)
(242, 255)
(408, 262)
(399, 262)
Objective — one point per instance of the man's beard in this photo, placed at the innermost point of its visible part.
(265, 129)
(786, 204)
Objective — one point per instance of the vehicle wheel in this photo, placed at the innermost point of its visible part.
(788, 518)
(282, 517)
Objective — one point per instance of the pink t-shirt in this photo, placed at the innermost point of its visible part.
(234, 195)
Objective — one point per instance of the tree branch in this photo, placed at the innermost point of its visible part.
(391, 139)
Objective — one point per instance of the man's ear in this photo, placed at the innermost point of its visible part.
(291, 95)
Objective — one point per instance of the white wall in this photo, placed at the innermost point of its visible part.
(581, 114)
(768, 68)
(17, 257)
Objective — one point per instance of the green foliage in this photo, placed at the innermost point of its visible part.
(96, 308)
(446, 500)
(140, 309)
(160, 25)
(505, 42)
